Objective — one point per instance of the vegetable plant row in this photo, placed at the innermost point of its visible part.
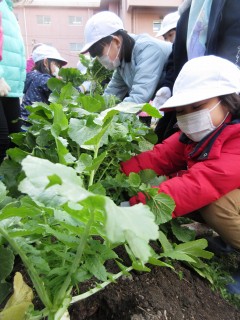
(60, 194)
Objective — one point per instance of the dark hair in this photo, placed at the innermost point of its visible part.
(126, 50)
(232, 102)
(40, 66)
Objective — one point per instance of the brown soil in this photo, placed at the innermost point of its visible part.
(159, 294)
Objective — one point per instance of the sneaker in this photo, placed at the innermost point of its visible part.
(218, 246)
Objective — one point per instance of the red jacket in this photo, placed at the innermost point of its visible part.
(213, 167)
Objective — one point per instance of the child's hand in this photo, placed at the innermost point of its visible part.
(4, 88)
(139, 198)
(161, 97)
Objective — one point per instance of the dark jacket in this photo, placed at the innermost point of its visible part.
(223, 40)
(35, 90)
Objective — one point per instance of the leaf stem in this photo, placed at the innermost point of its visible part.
(101, 177)
(92, 174)
(36, 280)
(65, 287)
(99, 286)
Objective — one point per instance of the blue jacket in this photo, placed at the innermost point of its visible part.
(35, 90)
(13, 63)
(139, 78)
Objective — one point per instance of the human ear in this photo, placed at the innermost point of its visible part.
(117, 40)
(45, 62)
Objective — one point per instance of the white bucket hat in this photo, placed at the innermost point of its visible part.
(47, 52)
(203, 78)
(169, 22)
(99, 26)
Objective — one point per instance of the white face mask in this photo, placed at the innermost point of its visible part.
(197, 125)
(107, 62)
(56, 71)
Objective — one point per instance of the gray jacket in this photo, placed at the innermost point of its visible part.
(139, 78)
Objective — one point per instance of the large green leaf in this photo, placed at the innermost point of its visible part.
(134, 225)
(60, 121)
(162, 206)
(189, 251)
(35, 184)
(127, 107)
(152, 111)
(81, 131)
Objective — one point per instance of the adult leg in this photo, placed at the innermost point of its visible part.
(223, 216)
(4, 139)
(12, 112)
(9, 123)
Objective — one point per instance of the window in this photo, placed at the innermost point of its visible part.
(75, 20)
(157, 25)
(43, 19)
(77, 46)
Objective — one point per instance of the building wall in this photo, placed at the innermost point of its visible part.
(58, 32)
(142, 19)
(152, 3)
(69, 38)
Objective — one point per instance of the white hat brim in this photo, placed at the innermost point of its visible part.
(165, 30)
(188, 97)
(87, 46)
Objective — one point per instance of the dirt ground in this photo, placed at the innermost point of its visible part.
(158, 295)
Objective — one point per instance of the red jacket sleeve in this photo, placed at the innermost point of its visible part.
(208, 180)
(164, 159)
(205, 181)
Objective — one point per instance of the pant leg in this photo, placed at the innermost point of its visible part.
(9, 122)
(223, 216)
(4, 139)
(12, 112)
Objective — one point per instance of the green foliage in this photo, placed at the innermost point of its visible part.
(220, 268)
(182, 234)
(62, 189)
(6, 266)
(96, 73)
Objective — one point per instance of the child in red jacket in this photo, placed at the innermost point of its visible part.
(207, 102)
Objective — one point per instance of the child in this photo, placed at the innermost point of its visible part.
(47, 62)
(138, 60)
(207, 103)
(30, 62)
(168, 27)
